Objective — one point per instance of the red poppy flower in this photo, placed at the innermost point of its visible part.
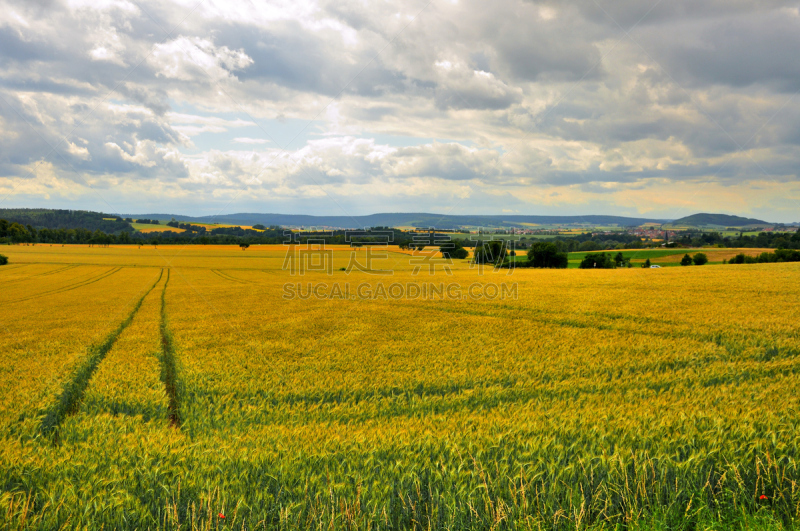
(221, 515)
(763, 497)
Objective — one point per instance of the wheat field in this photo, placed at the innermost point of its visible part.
(189, 388)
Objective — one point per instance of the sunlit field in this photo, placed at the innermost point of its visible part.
(190, 387)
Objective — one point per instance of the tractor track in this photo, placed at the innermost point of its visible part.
(168, 363)
(72, 394)
(70, 287)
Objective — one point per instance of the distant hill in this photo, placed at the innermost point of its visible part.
(43, 218)
(439, 221)
(723, 220)
(108, 223)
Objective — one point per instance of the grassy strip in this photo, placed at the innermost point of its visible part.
(168, 370)
(75, 388)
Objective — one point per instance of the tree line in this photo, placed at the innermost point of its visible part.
(780, 255)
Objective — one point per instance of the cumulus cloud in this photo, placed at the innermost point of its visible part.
(190, 58)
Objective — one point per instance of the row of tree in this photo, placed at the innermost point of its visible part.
(603, 261)
(781, 255)
(774, 240)
(65, 219)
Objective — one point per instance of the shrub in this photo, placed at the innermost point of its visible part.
(742, 258)
(3, 259)
(700, 259)
(686, 260)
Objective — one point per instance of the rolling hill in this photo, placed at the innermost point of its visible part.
(441, 221)
(722, 220)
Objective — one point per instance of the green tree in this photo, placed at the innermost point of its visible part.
(493, 252)
(598, 261)
(646, 263)
(547, 255)
(453, 249)
(3, 260)
(244, 246)
(700, 259)
(686, 260)
(17, 233)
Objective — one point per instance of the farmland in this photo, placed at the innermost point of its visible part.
(148, 227)
(180, 388)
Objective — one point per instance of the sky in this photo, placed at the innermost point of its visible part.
(351, 107)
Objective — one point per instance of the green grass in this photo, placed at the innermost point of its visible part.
(637, 254)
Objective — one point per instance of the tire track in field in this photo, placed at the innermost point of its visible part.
(70, 287)
(46, 273)
(168, 363)
(72, 394)
(228, 277)
(12, 267)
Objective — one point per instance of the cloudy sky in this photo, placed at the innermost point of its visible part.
(346, 107)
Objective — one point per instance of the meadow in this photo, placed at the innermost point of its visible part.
(180, 388)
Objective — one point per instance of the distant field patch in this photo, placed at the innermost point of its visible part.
(147, 228)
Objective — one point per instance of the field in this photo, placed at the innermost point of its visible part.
(147, 227)
(190, 388)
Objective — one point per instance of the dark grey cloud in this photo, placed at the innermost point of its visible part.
(736, 50)
(629, 13)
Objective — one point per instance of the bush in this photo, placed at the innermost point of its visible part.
(3, 260)
(686, 260)
(742, 258)
(700, 259)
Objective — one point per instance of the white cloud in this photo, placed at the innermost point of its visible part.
(195, 58)
(245, 140)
